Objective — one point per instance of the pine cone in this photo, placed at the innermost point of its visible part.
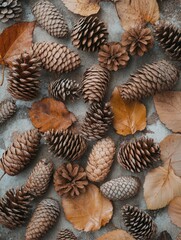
(94, 84)
(43, 219)
(164, 236)
(97, 121)
(49, 18)
(10, 9)
(62, 89)
(100, 160)
(139, 223)
(66, 235)
(121, 188)
(56, 57)
(39, 179)
(70, 180)
(7, 109)
(179, 236)
(15, 208)
(66, 144)
(139, 154)
(137, 40)
(21, 152)
(23, 77)
(149, 80)
(169, 38)
(89, 34)
(113, 56)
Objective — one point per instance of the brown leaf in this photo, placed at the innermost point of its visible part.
(129, 117)
(49, 114)
(89, 211)
(116, 235)
(174, 211)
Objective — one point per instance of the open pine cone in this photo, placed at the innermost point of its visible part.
(164, 236)
(7, 109)
(66, 235)
(10, 10)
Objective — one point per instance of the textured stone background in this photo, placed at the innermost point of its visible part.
(170, 10)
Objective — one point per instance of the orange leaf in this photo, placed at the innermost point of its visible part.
(174, 211)
(129, 117)
(50, 114)
(116, 235)
(89, 211)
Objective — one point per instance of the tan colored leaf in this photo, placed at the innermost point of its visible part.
(116, 235)
(174, 211)
(49, 114)
(89, 211)
(167, 105)
(129, 117)
(161, 186)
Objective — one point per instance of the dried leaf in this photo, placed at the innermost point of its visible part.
(49, 114)
(116, 235)
(174, 211)
(89, 211)
(129, 117)
(152, 119)
(161, 186)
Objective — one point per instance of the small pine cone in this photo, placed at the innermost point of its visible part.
(7, 109)
(10, 9)
(66, 144)
(121, 188)
(94, 84)
(39, 179)
(97, 121)
(139, 154)
(44, 217)
(66, 235)
(113, 56)
(179, 236)
(62, 89)
(137, 40)
(164, 236)
(56, 57)
(100, 160)
(23, 77)
(21, 152)
(89, 34)
(70, 180)
(169, 38)
(139, 223)
(149, 80)
(15, 208)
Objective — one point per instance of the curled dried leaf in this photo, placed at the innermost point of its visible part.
(174, 211)
(116, 235)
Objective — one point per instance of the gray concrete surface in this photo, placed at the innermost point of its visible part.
(170, 10)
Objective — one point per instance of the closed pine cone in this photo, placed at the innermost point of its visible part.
(169, 38)
(49, 18)
(44, 218)
(100, 160)
(139, 223)
(21, 152)
(24, 77)
(7, 109)
(121, 188)
(95, 83)
(165, 236)
(39, 179)
(56, 57)
(89, 34)
(66, 235)
(10, 10)
(137, 40)
(149, 80)
(139, 154)
(179, 236)
(70, 180)
(113, 56)
(66, 144)
(15, 208)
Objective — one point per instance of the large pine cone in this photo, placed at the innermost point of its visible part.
(39, 179)
(100, 160)
(24, 77)
(49, 18)
(165, 236)
(139, 154)
(94, 84)
(169, 38)
(10, 9)
(89, 34)
(66, 144)
(45, 216)
(97, 121)
(56, 57)
(21, 152)
(15, 208)
(66, 235)
(70, 180)
(139, 223)
(149, 80)
(7, 109)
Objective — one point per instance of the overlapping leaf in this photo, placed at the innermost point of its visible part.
(116, 235)
(174, 211)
